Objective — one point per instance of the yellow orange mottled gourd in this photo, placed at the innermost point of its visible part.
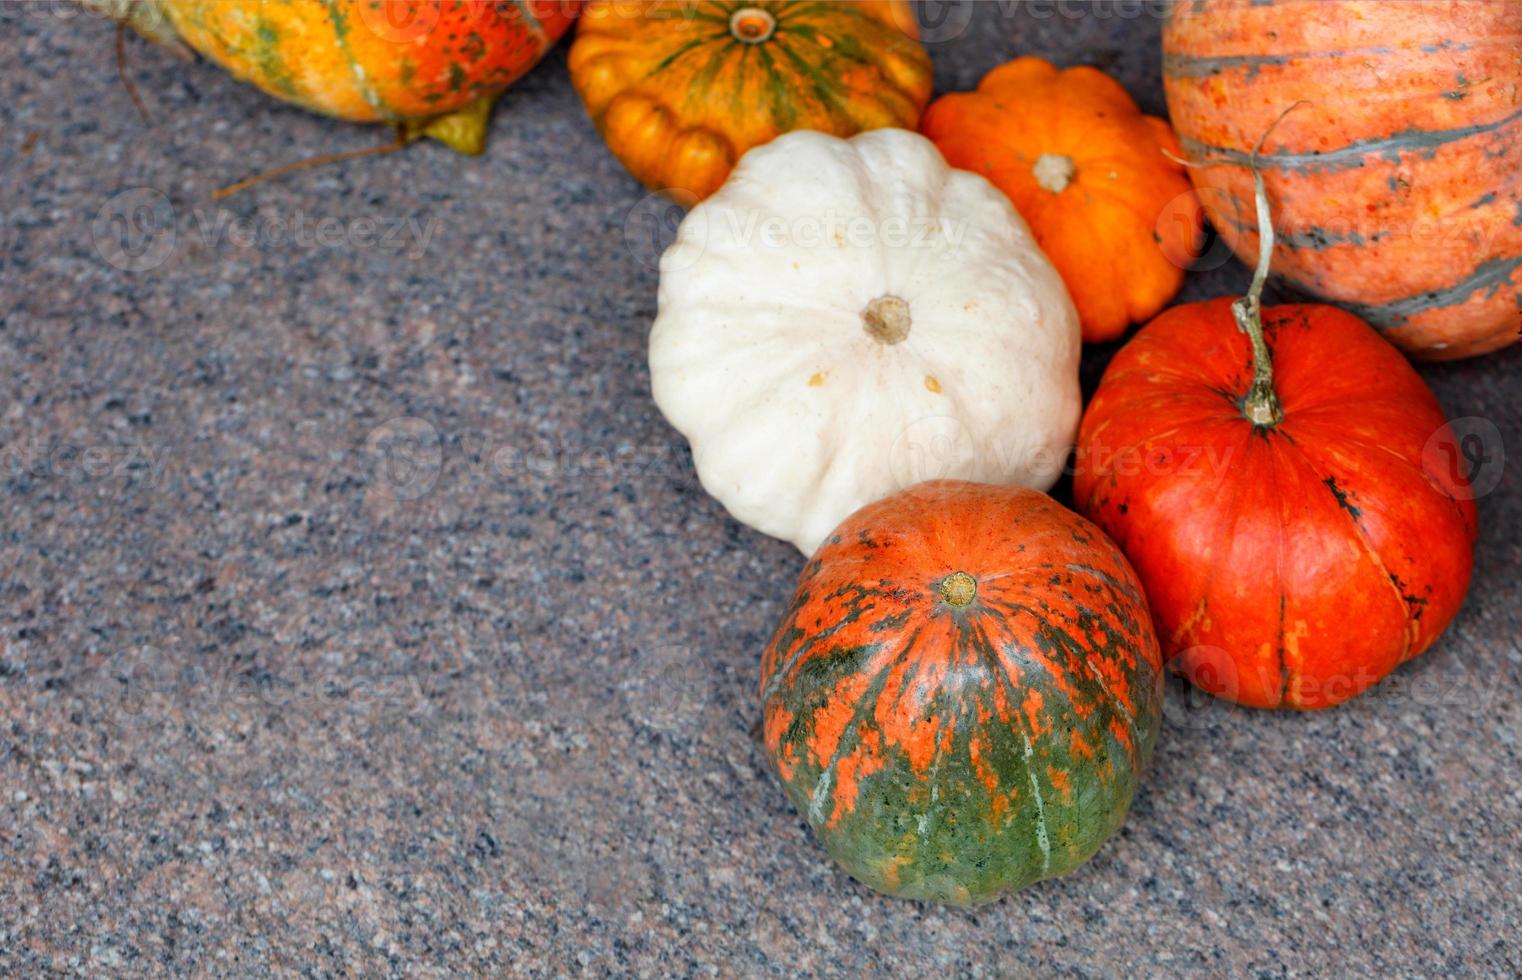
(1087, 171)
(681, 90)
(433, 65)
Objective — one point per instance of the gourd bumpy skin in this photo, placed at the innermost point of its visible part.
(845, 318)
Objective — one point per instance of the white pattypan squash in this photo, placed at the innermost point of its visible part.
(845, 318)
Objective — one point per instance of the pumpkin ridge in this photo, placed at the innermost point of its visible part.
(1005, 678)
(933, 778)
(1492, 273)
(1286, 676)
(1098, 573)
(828, 93)
(1180, 65)
(852, 731)
(1361, 535)
(1413, 464)
(847, 49)
(687, 47)
(998, 667)
(1041, 657)
(711, 68)
(780, 674)
(357, 75)
(1352, 154)
(1228, 517)
(1066, 643)
(266, 54)
(778, 91)
(1043, 832)
(713, 13)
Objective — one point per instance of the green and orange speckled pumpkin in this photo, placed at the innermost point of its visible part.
(433, 65)
(1397, 185)
(964, 692)
(680, 90)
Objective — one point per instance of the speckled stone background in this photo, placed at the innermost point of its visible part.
(360, 614)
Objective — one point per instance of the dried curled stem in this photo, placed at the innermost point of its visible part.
(126, 79)
(1261, 405)
(322, 159)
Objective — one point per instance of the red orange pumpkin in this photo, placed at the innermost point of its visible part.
(964, 692)
(1278, 479)
(1397, 187)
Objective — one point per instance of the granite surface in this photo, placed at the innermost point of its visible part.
(359, 614)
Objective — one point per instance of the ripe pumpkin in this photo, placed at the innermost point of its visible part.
(845, 318)
(1086, 169)
(680, 90)
(434, 66)
(964, 692)
(1397, 187)
(1283, 481)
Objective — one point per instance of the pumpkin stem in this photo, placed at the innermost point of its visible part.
(959, 589)
(463, 130)
(1261, 406)
(1054, 171)
(886, 319)
(319, 160)
(752, 25)
(1262, 403)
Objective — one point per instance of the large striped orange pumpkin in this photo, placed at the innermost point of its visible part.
(681, 89)
(433, 65)
(1397, 186)
(965, 692)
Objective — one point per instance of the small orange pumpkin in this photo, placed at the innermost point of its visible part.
(1086, 170)
(680, 90)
